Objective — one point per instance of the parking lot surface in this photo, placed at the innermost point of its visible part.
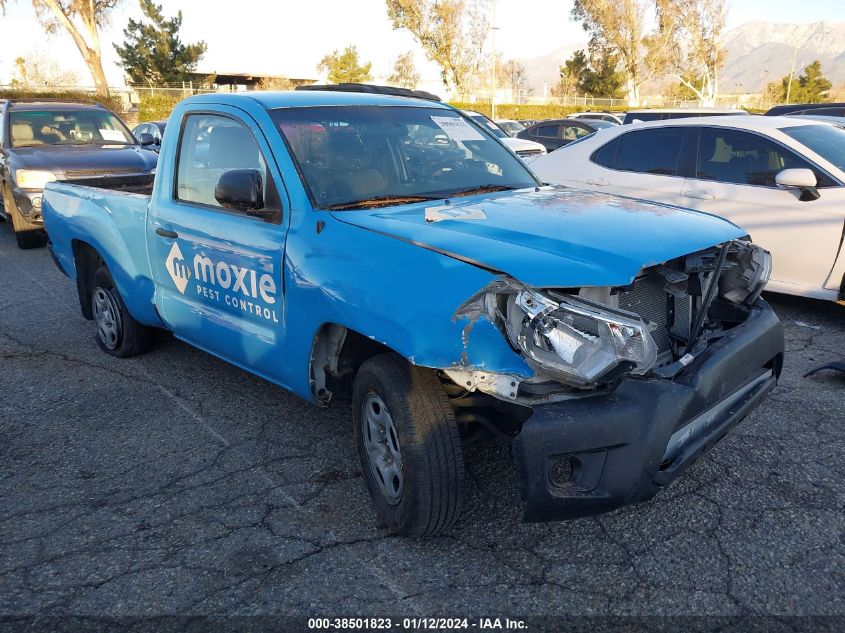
(174, 483)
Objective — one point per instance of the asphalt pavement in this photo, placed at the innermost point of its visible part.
(175, 484)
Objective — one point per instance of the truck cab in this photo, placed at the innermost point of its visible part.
(390, 249)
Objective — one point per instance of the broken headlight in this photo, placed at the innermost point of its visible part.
(577, 341)
(745, 279)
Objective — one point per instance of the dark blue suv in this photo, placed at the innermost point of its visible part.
(42, 141)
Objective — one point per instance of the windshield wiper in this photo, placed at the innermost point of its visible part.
(379, 201)
(481, 189)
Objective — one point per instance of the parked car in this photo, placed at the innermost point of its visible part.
(42, 141)
(663, 114)
(510, 126)
(818, 109)
(559, 132)
(328, 245)
(155, 129)
(521, 147)
(598, 116)
(780, 178)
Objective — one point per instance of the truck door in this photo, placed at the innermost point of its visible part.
(218, 266)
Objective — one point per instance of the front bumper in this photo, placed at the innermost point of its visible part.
(584, 457)
(28, 203)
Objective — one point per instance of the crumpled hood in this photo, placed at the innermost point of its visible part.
(60, 158)
(554, 237)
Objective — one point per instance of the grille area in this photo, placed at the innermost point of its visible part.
(529, 152)
(648, 298)
(97, 173)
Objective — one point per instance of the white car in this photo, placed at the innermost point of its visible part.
(597, 116)
(780, 178)
(510, 126)
(520, 146)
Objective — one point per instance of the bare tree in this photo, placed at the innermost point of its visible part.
(699, 53)
(38, 70)
(81, 19)
(513, 76)
(451, 32)
(618, 26)
(404, 74)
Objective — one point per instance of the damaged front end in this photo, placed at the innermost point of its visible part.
(584, 339)
(632, 383)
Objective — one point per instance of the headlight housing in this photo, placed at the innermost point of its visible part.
(577, 341)
(744, 280)
(33, 179)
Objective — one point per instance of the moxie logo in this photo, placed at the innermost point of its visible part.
(224, 275)
(175, 265)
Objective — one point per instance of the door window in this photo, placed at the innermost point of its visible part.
(547, 131)
(211, 145)
(653, 151)
(572, 132)
(736, 157)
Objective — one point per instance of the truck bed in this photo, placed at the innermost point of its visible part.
(140, 184)
(108, 215)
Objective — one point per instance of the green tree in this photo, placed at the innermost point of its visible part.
(594, 75)
(809, 87)
(404, 74)
(451, 32)
(619, 26)
(815, 87)
(152, 51)
(344, 67)
(82, 20)
(601, 79)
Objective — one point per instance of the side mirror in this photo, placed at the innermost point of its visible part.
(145, 139)
(240, 190)
(802, 179)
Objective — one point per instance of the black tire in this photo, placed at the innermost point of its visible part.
(432, 463)
(118, 334)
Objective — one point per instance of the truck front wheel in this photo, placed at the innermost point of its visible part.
(409, 445)
(118, 334)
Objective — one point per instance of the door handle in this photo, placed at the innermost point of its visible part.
(699, 195)
(166, 233)
(600, 182)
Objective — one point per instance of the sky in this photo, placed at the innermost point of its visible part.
(289, 37)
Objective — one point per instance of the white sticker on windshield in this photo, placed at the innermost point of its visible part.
(113, 135)
(457, 128)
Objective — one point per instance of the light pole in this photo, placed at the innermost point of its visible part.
(493, 29)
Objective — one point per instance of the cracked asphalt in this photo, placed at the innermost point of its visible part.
(175, 484)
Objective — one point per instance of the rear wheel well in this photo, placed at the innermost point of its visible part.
(336, 355)
(87, 261)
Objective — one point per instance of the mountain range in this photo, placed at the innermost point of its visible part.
(755, 53)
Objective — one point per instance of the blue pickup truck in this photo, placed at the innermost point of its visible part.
(390, 250)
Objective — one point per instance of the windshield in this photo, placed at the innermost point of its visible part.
(491, 127)
(828, 141)
(370, 156)
(599, 124)
(69, 127)
(511, 127)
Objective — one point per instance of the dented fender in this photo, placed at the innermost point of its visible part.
(337, 278)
